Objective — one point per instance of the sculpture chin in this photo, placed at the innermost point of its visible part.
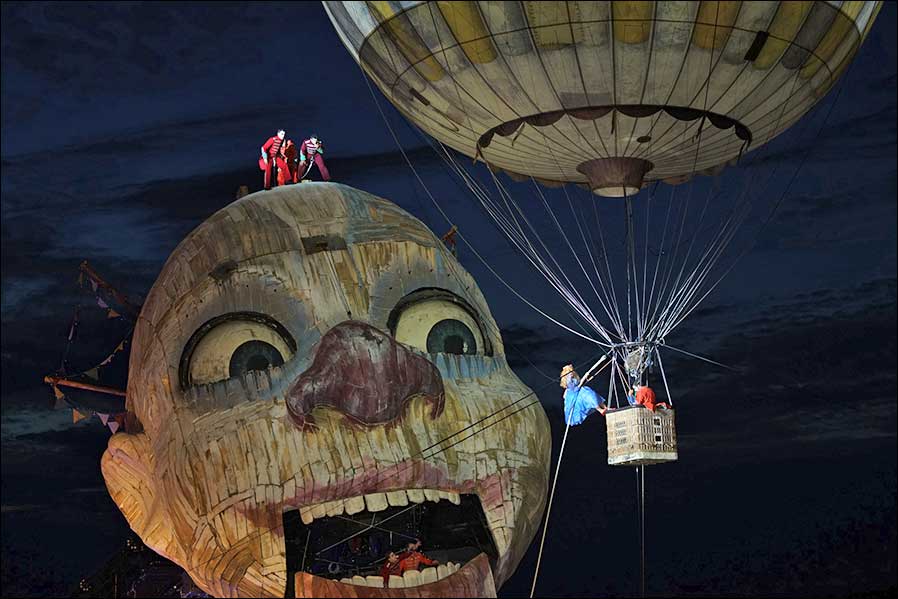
(474, 579)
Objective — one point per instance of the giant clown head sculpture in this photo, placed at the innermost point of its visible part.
(310, 365)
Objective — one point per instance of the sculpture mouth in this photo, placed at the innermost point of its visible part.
(345, 542)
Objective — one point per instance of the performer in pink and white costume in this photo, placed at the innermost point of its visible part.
(311, 152)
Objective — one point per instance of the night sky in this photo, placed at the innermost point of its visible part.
(124, 126)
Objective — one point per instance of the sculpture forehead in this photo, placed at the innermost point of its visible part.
(295, 218)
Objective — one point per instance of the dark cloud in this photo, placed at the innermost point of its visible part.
(126, 125)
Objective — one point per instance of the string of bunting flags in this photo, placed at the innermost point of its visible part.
(89, 379)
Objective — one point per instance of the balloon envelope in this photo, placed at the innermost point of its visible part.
(606, 94)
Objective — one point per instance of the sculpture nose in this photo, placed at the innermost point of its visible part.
(365, 374)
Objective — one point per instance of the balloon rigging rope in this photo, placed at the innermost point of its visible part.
(523, 243)
(664, 377)
(461, 235)
(610, 298)
(542, 540)
(616, 324)
(779, 201)
(566, 291)
(670, 316)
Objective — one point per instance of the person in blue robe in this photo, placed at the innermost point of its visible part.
(579, 401)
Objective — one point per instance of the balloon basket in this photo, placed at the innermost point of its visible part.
(637, 436)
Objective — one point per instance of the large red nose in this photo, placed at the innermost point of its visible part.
(366, 375)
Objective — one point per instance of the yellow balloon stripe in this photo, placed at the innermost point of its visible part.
(407, 40)
(632, 21)
(714, 24)
(467, 26)
(788, 21)
(841, 27)
(551, 25)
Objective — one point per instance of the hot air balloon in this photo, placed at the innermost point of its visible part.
(611, 95)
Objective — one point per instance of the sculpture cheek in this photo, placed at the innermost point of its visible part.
(128, 471)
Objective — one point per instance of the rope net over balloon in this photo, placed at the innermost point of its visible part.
(624, 100)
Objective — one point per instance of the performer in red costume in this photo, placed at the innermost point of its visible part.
(643, 395)
(312, 152)
(291, 155)
(273, 158)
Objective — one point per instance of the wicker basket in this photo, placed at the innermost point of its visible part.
(638, 436)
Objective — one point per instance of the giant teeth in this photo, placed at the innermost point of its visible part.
(319, 510)
(355, 505)
(334, 508)
(428, 575)
(415, 495)
(374, 581)
(358, 580)
(501, 536)
(442, 571)
(396, 582)
(346, 580)
(376, 502)
(450, 496)
(412, 578)
(432, 495)
(397, 498)
(306, 514)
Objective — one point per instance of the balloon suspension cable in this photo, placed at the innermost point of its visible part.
(664, 377)
(542, 541)
(698, 357)
(640, 515)
(460, 235)
(567, 427)
(589, 373)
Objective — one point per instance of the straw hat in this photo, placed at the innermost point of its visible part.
(565, 372)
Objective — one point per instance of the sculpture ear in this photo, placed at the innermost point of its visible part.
(128, 468)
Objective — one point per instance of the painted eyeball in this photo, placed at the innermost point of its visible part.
(436, 321)
(232, 345)
(451, 336)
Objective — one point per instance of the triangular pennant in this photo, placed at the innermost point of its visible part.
(104, 418)
(93, 373)
(110, 313)
(101, 303)
(58, 392)
(120, 346)
(113, 426)
(93, 284)
(77, 416)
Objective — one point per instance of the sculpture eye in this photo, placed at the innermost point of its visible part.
(438, 325)
(450, 336)
(232, 345)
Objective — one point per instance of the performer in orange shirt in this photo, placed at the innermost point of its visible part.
(642, 395)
